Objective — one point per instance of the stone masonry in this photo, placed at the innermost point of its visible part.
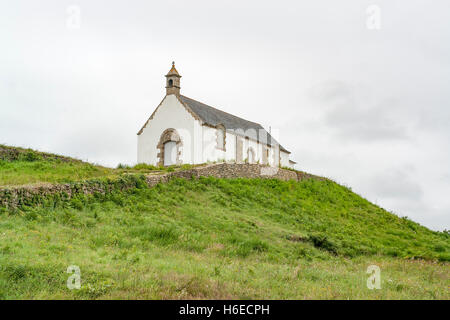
(13, 197)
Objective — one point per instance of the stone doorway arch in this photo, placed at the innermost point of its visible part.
(169, 135)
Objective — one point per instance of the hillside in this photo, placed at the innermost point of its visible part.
(20, 166)
(216, 238)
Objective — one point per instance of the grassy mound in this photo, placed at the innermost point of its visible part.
(20, 166)
(221, 238)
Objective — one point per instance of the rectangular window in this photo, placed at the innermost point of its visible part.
(221, 139)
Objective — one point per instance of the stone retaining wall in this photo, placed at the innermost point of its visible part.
(13, 197)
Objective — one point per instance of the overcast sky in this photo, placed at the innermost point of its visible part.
(358, 90)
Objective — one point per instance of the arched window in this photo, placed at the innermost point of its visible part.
(170, 83)
(221, 136)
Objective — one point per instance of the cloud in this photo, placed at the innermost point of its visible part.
(405, 191)
(396, 183)
(355, 117)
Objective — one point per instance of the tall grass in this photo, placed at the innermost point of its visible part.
(220, 238)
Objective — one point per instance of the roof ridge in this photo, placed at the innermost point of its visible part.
(221, 110)
(204, 112)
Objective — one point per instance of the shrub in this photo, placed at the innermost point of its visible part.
(76, 204)
(322, 242)
(30, 156)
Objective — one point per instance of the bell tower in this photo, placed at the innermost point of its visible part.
(173, 81)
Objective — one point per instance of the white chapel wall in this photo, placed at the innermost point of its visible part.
(284, 159)
(170, 114)
(209, 145)
(199, 141)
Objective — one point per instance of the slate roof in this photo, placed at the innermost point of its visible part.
(213, 117)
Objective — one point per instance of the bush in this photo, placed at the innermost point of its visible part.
(322, 242)
(30, 156)
(76, 204)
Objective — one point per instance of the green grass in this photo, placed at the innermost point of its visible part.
(56, 171)
(221, 238)
(25, 166)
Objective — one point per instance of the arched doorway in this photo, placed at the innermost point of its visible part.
(170, 153)
(169, 148)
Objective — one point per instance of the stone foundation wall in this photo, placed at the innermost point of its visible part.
(13, 197)
(234, 170)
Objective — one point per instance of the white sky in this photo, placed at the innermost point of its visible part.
(367, 108)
